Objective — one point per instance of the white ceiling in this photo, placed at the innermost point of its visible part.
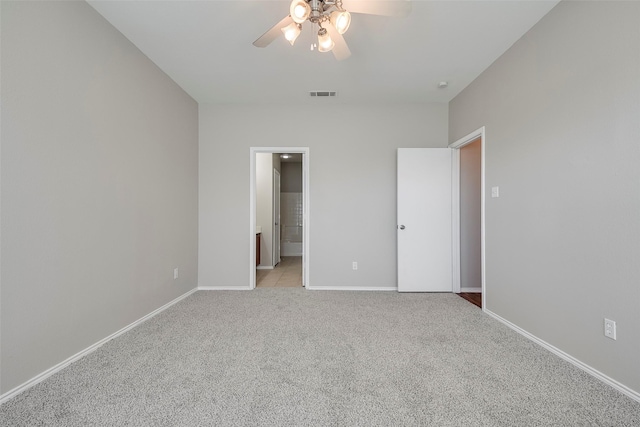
(206, 47)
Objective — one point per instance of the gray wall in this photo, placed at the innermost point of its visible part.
(561, 111)
(99, 185)
(264, 206)
(352, 185)
(291, 177)
(470, 215)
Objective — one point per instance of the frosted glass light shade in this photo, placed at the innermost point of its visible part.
(291, 32)
(299, 11)
(325, 44)
(341, 19)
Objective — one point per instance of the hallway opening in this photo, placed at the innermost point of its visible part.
(287, 274)
(279, 212)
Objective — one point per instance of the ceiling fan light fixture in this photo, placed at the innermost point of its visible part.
(341, 19)
(300, 11)
(325, 44)
(291, 32)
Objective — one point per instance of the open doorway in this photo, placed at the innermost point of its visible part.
(279, 235)
(468, 224)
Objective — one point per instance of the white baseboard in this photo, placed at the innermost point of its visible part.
(46, 374)
(577, 363)
(311, 288)
(351, 288)
(265, 267)
(471, 290)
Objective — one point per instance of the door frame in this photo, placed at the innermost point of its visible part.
(455, 190)
(277, 224)
(305, 206)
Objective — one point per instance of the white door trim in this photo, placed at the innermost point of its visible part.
(455, 190)
(252, 208)
(276, 219)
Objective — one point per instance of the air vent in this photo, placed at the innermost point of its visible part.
(322, 93)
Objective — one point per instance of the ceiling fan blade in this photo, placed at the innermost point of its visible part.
(273, 33)
(340, 49)
(399, 8)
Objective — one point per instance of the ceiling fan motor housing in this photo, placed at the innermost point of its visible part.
(319, 9)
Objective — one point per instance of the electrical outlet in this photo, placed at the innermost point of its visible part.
(355, 265)
(175, 273)
(610, 329)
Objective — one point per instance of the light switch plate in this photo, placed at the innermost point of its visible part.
(495, 191)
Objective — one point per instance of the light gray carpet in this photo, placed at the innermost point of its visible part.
(290, 357)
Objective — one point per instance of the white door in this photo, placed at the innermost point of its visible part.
(276, 217)
(424, 220)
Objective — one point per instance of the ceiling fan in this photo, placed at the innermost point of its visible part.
(332, 18)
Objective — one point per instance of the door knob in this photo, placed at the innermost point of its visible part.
(401, 227)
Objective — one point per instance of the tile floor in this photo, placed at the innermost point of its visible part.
(287, 274)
